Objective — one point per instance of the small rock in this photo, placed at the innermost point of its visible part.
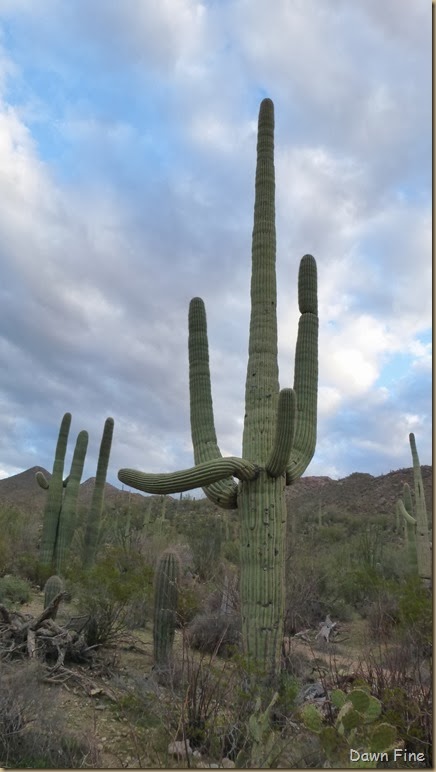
(227, 763)
(100, 707)
(94, 692)
(197, 755)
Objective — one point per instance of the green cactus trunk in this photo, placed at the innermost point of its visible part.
(55, 495)
(165, 607)
(67, 518)
(422, 533)
(94, 517)
(60, 511)
(279, 425)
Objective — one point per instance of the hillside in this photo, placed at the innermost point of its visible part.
(359, 493)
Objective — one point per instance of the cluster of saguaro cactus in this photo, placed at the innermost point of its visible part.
(416, 520)
(279, 425)
(60, 511)
(166, 596)
(61, 508)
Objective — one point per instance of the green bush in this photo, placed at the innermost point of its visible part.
(189, 604)
(218, 633)
(115, 594)
(14, 590)
(416, 609)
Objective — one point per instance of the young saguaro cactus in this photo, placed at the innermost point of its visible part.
(60, 511)
(165, 606)
(279, 425)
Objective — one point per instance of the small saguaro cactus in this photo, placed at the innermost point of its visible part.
(279, 433)
(166, 596)
(60, 511)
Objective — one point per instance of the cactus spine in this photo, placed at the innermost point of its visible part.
(279, 425)
(94, 517)
(60, 511)
(165, 607)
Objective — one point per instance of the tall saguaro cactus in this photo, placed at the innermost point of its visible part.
(60, 511)
(279, 425)
(94, 515)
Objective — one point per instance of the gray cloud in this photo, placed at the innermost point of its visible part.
(150, 203)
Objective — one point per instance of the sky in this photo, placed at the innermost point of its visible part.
(127, 163)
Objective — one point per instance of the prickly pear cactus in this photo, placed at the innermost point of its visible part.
(356, 727)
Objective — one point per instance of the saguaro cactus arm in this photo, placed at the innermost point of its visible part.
(55, 493)
(305, 372)
(224, 492)
(285, 432)
(410, 520)
(188, 479)
(67, 517)
(96, 508)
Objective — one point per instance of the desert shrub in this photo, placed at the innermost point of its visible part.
(416, 612)
(382, 613)
(331, 534)
(14, 590)
(231, 552)
(189, 603)
(115, 594)
(32, 732)
(18, 541)
(358, 585)
(218, 633)
(304, 591)
(205, 536)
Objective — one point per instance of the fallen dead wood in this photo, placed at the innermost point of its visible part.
(41, 637)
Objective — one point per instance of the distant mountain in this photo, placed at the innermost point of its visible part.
(359, 493)
(22, 491)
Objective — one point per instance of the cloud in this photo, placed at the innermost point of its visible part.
(127, 156)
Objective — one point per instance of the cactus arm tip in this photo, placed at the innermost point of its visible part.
(42, 481)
